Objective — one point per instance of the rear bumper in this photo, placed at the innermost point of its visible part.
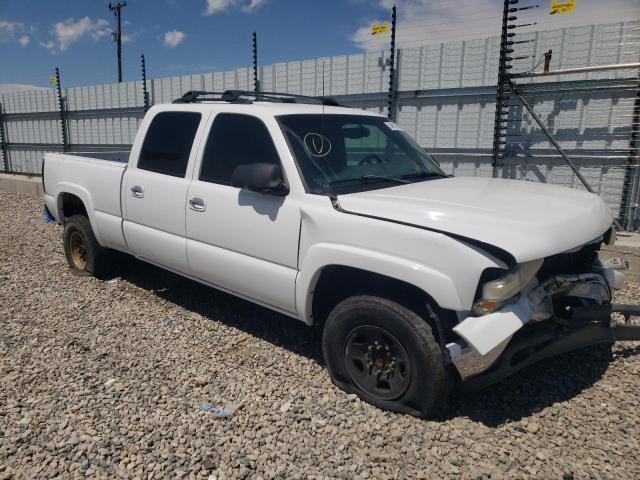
(496, 345)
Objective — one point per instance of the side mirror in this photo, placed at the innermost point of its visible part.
(260, 177)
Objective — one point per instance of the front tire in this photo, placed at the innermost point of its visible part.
(84, 254)
(387, 355)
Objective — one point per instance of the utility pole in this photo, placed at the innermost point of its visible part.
(117, 35)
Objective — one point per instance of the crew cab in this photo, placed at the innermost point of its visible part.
(336, 217)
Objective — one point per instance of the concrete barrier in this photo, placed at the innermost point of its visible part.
(21, 184)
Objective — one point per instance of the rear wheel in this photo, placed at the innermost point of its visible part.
(83, 252)
(386, 354)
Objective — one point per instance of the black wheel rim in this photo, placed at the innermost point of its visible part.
(377, 363)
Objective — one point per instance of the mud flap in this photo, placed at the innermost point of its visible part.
(46, 214)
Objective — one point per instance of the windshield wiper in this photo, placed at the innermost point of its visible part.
(382, 177)
(425, 175)
(366, 178)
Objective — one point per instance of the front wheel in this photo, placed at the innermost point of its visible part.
(386, 354)
(83, 252)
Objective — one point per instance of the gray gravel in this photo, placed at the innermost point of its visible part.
(106, 379)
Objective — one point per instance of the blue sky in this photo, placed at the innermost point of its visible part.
(194, 36)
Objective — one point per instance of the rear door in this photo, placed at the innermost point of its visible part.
(242, 241)
(155, 189)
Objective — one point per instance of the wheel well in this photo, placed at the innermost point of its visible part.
(337, 283)
(72, 205)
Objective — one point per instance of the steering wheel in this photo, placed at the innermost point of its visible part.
(370, 159)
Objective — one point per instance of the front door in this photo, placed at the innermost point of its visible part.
(155, 190)
(241, 241)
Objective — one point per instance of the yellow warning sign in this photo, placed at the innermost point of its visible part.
(379, 28)
(558, 7)
(53, 80)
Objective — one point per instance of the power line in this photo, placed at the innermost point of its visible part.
(117, 35)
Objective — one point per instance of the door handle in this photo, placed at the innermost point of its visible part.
(197, 204)
(137, 191)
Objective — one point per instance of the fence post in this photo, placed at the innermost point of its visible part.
(631, 186)
(61, 110)
(502, 87)
(145, 93)
(503, 99)
(392, 68)
(3, 142)
(256, 83)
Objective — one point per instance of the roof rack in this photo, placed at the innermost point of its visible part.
(245, 96)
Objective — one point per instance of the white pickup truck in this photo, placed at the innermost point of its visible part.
(336, 217)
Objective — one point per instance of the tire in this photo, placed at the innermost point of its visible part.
(404, 372)
(84, 254)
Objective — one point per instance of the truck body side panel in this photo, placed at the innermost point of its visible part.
(97, 183)
(445, 268)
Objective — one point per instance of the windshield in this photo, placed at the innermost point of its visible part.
(346, 153)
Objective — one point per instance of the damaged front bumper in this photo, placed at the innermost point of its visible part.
(563, 313)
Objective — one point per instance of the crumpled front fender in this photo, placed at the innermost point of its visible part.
(487, 332)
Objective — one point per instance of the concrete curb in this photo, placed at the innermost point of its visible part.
(21, 184)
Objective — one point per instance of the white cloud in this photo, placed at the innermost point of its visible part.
(216, 6)
(15, 32)
(50, 45)
(70, 31)
(253, 6)
(8, 30)
(173, 38)
(423, 22)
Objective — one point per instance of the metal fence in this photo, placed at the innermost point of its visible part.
(445, 98)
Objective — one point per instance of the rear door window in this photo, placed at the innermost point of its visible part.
(167, 144)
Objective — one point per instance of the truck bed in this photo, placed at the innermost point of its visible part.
(120, 156)
(97, 182)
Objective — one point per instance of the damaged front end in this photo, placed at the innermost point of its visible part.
(568, 306)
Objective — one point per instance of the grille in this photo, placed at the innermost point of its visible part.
(580, 261)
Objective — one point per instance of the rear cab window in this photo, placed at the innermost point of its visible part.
(168, 142)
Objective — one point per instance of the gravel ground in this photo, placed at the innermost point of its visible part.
(104, 379)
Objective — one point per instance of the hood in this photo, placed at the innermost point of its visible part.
(529, 220)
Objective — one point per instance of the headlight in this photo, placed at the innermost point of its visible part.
(496, 292)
